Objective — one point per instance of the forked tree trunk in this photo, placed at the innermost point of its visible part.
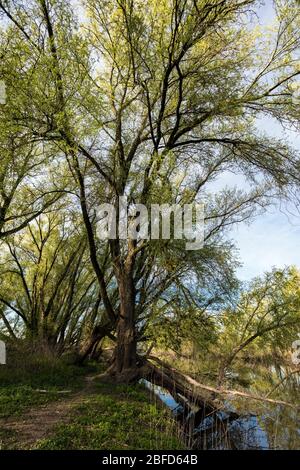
(88, 347)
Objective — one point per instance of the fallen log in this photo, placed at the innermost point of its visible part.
(218, 391)
(237, 393)
(160, 378)
(173, 381)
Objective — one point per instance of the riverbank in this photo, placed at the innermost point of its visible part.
(52, 406)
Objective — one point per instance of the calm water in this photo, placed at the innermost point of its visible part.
(261, 425)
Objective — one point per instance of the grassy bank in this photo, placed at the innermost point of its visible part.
(35, 415)
(116, 417)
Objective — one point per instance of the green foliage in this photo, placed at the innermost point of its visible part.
(46, 281)
(268, 311)
(257, 323)
(152, 99)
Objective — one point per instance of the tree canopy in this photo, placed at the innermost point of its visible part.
(152, 100)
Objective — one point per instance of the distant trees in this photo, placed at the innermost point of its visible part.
(152, 100)
(48, 291)
(260, 319)
(267, 314)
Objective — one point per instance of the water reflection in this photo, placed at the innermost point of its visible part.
(261, 425)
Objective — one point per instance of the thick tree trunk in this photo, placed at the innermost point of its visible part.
(125, 354)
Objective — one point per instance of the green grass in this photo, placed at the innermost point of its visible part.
(109, 417)
(116, 417)
(20, 381)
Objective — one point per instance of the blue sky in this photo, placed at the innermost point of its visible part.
(273, 239)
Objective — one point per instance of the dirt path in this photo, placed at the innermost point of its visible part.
(38, 422)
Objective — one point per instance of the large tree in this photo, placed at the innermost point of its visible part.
(153, 100)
